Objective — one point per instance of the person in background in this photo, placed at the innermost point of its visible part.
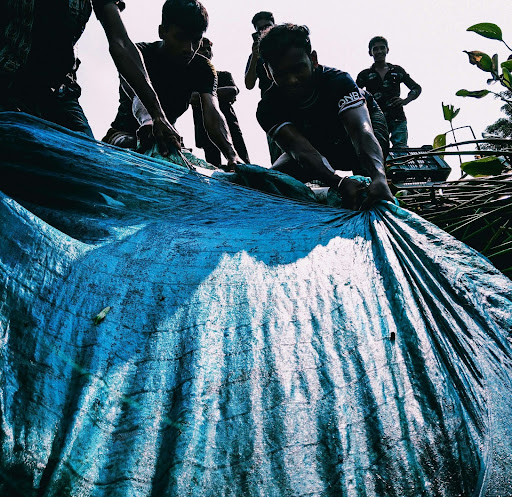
(254, 70)
(319, 117)
(38, 65)
(383, 80)
(176, 71)
(226, 93)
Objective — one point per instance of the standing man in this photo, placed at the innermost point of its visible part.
(38, 65)
(176, 71)
(383, 80)
(255, 70)
(226, 93)
(319, 117)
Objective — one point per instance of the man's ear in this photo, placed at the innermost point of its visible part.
(268, 71)
(314, 59)
(161, 32)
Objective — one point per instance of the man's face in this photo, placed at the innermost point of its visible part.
(205, 50)
(262, 25)
(179, 44)
(293, 73)
(379, 51)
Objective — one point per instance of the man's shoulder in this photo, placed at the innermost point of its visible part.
(148, 47)
(225, 78)
(330, 79)
(201, 63)
(395, 67)
(330, 74)
(364, 73)
(99, 4)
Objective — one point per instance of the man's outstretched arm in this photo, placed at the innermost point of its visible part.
(359, 128)
(217, 129)
(130, 65)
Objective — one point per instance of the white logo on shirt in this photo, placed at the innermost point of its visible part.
(353, 97)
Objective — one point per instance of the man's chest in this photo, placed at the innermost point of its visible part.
(321, 120)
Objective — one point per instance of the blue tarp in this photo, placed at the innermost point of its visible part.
(251, 345)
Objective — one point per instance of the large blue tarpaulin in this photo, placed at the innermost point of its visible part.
(249, 344)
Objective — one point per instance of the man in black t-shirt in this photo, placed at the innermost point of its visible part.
(383, 80)
(226, 93)
(319, 117)
(255, 70)
(176, 71)
(38, 65)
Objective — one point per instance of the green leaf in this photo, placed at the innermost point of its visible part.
(449, 112)
(480, 60)
(494, 69)
(507, 78)
(439, 141)
(487, 30)
(488, 166)
(474, 94)
(507, 64)
(101, 315)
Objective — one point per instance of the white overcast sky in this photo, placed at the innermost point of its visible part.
(425, 37)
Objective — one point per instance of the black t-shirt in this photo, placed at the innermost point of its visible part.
(57, 26)
(174, 84)
(264, 82)
(318, 118)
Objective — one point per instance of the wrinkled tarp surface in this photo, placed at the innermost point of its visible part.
(255, 345)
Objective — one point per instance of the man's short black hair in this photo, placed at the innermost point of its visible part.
(377, 39)
(189, 15)
(277, 40)
(263, 15)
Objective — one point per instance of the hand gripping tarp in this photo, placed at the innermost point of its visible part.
(254, 346)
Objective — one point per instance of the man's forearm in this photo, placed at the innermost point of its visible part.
(218, 133)
(250, 75)
(370, 156)
(310, 159)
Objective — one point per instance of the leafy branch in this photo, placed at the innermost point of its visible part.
(489, 64)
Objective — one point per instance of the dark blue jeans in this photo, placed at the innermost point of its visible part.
(398, 133)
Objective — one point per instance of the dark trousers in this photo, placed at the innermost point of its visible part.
(59, 107)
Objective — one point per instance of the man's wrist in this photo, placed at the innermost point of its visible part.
(231, 156)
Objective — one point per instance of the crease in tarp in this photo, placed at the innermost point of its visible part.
(256, 345)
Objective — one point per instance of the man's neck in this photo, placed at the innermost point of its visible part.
(380, 65)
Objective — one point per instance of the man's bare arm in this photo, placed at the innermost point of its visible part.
(294, 143)
(130, 65)
(359, 128)
(250, 74)
(217, 129)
